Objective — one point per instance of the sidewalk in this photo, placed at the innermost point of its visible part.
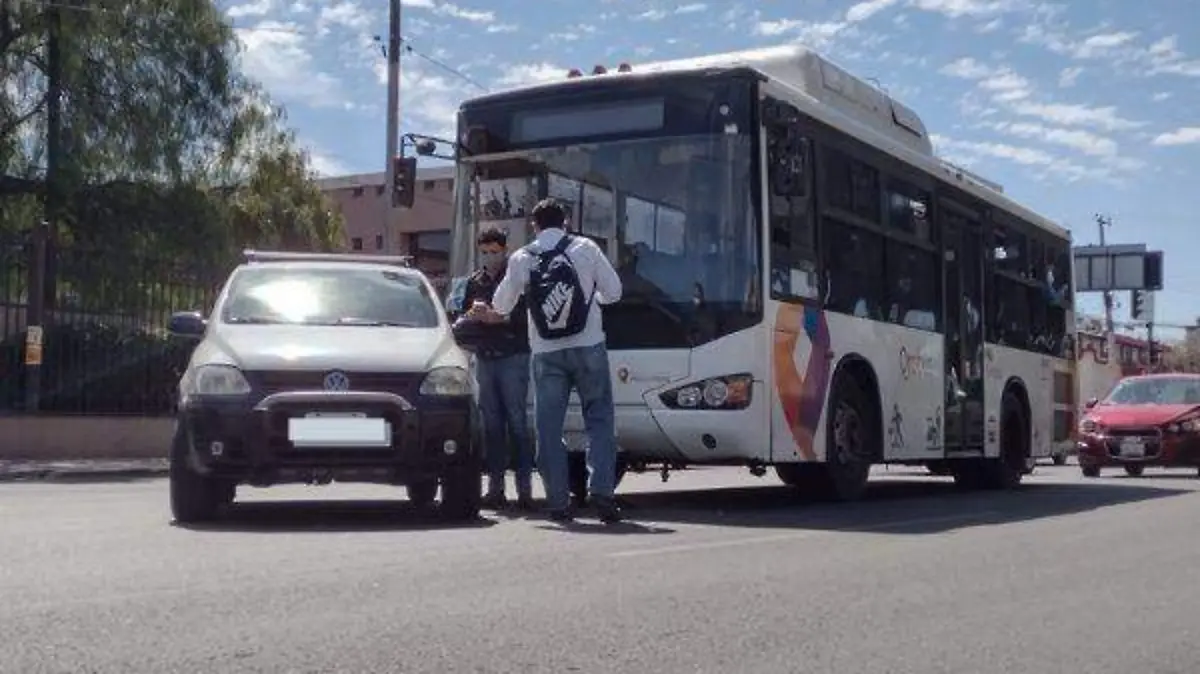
(79, 471)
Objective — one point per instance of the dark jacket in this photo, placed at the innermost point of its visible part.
(502, 339)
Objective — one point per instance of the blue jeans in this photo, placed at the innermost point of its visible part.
(503, 396)
(584, 369)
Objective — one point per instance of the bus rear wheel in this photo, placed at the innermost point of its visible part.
(849, 441)
(1007, 470)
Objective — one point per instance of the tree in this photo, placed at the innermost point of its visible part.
(151, 96)
(148, 87)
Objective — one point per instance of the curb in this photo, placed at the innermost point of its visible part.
(78, 472)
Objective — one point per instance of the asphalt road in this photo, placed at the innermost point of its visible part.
(721, 572)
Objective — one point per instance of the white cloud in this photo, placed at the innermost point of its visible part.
(252, 8)
(347, 13)
(868, 8)
(502, 28)
(1188, 135)
(1015, 92)
(530, 73)
(815, 35)
(1079, 140)
(1069, 114)
(691, 8)
(967, 153)
(652, 15)
(1161, 96)
(325, 165)
(966, 68)
(452, 10)
(959, 8)
(277, 55)
(1069, 76)
(475, 15)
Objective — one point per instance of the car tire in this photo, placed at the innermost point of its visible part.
(847, 467)
(577, 476)
(422, 493)
(1090, 471)
(195, 498)
(1134, 469)
(462, 487)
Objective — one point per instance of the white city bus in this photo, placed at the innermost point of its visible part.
(912, 313)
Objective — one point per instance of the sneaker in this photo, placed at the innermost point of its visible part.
(607, 510)
(560, 515)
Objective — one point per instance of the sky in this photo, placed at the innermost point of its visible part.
(1075, 108)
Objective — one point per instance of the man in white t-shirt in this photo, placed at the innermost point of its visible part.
(564, 280)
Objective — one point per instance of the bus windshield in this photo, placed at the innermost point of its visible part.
(676, 215)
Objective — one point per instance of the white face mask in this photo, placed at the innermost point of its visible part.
(491, 261)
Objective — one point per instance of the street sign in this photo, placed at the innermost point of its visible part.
(1120, 267)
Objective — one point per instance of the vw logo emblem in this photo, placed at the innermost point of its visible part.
(623, 374)
(337, 381)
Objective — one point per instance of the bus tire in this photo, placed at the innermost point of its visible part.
(1007, 470)
(850, 446)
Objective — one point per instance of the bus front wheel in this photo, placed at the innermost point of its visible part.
(849, 442)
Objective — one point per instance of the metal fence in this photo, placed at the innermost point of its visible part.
(101, 318)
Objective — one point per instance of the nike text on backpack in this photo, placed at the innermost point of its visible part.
(558, 305)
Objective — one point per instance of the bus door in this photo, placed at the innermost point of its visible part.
(963, 249)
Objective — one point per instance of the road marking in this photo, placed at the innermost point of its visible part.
(796, 535)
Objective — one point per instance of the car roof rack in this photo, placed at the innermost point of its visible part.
(253, 256)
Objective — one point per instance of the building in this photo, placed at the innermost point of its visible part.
(422, 231)
(1099, 371)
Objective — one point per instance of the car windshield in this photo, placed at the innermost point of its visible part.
(329, 296)
(1156, 391)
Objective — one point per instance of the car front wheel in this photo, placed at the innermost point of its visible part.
(195, 497)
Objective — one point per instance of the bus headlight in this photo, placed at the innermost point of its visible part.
(730, 392)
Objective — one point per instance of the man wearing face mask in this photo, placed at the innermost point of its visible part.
(502, 370)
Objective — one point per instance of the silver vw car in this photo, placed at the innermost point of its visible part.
(313, 368)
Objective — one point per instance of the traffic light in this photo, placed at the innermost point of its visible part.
(1137, 305)
(404, 181)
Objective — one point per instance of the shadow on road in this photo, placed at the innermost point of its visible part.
(332, 516)
(896, 506)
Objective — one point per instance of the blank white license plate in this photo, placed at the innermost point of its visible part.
(1133, 448)
(339, 431)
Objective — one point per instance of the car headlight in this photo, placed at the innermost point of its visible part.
(216, 380)
(730, 392)
(446, 381)
(1188, 425)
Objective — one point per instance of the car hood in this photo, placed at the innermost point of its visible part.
(1118, 416)
(352, 348)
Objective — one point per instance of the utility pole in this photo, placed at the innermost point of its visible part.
(40, 290)
(1102, 222)
(393, 125)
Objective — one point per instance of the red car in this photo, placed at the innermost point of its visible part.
(1148, 420)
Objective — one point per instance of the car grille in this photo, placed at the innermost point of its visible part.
(400, 383)
(1152, 438)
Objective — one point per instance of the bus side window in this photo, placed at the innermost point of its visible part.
(793, 245)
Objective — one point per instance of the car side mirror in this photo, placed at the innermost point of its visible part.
(187, 324)
(1092, 402)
